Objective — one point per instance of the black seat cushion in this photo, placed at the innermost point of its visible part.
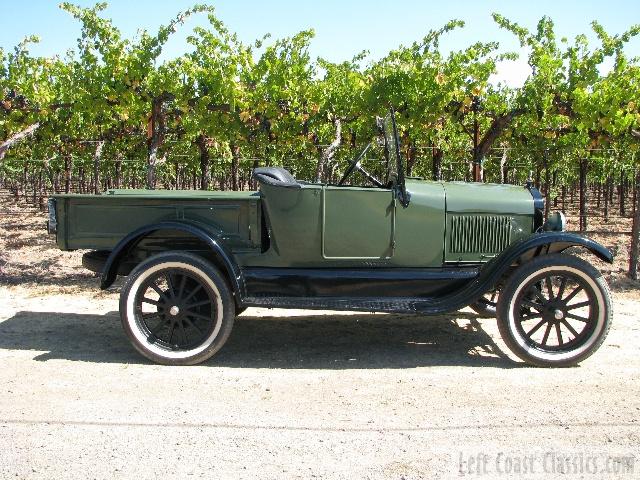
(275, 176)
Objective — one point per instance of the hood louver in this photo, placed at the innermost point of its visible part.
(479, 234)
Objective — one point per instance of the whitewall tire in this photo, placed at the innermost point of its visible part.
(554, 311)
(177, 309)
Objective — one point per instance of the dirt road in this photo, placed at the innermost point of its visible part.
(303, 394)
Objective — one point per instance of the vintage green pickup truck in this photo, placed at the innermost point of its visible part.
(195, 259)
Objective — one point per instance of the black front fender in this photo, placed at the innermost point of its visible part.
(554, 242)
(110, 270)
(493, 271)
(539, 244)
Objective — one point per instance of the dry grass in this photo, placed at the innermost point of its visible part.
(615, 235)
(29, 257)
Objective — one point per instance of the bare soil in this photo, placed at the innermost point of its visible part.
(296, 394)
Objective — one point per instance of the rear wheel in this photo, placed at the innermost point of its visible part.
(176, 309)
(554, 311)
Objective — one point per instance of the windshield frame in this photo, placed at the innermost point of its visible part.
(395, 165)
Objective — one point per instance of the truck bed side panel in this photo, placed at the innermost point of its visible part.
(99, 222)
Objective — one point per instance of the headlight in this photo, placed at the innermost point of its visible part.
(556, 222)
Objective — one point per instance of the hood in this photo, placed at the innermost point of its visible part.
(494, 198)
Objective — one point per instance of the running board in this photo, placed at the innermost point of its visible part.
(423, 305)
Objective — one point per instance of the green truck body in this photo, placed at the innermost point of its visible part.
(315, 226)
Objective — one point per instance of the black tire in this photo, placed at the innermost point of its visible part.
(527, 315)
(177, 309)
(487, 305)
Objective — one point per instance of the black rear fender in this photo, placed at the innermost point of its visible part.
(223, 258)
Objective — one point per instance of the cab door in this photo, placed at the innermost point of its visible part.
(358, 223)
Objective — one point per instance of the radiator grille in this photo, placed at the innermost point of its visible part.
(479, 234)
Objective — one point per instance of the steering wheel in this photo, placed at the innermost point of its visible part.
(357, 165)
(353, 164)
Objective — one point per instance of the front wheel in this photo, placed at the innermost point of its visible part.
(176, 309)
(554, 311)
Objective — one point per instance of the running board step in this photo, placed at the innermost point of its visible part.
(384, 304)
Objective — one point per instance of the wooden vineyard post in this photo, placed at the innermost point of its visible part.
(635, 233)
(583, 195)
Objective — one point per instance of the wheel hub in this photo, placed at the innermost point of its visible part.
(554, 311)
(174, 310)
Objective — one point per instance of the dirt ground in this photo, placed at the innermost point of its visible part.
(295, 394)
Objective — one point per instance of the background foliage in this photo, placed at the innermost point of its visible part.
(109, 114)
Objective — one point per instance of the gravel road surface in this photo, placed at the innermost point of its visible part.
(302, 394)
